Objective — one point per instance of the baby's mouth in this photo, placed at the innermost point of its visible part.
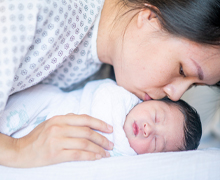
(135, 128)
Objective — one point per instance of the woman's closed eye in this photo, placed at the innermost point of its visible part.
(181, 71)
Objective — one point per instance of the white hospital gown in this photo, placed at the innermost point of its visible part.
(101, 99)
(53, 41)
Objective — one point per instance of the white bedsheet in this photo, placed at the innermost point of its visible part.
(191, 165)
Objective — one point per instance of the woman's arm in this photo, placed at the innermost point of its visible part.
(60, 139)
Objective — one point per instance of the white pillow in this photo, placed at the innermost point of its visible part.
(206, 100)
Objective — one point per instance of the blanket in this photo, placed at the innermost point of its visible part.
(101, 99)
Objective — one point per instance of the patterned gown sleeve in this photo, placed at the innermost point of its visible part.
(17, 29)
(45, 40)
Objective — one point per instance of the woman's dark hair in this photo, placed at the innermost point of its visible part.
(196, 20)
(192, 123)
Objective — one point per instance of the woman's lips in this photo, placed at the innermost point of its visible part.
(135, 128)
(147, 97)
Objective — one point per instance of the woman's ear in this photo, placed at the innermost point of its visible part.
(149, 17)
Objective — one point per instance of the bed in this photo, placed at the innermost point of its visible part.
(201, 164)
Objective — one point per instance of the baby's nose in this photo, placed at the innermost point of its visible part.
(147, 130)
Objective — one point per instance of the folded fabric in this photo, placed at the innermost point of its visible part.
(104, 100)
(101, 99)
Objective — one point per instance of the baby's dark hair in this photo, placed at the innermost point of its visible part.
(192, 124)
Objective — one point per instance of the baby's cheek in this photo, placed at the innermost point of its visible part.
(140, 147)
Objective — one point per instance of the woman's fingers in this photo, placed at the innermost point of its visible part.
(83, 145)
(85, 120)
(76, 155)
(87, 133)
(64, 138)
(72, 125)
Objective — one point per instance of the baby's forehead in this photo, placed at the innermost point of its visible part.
(173, 104)
(163, 104)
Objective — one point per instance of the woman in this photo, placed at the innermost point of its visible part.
(157, 49)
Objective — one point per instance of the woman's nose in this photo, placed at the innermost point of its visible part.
(148, 130)
(174, 91)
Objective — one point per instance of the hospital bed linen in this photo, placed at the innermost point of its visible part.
(191, 165)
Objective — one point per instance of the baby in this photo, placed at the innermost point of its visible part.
(163, 125)
(139, 127)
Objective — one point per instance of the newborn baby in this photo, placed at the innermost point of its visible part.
(138, 127)
(160, 126)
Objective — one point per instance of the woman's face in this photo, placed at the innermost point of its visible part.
(153, 65)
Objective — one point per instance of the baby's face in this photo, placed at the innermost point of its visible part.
(154, 126)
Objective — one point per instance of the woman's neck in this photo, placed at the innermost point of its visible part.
(104, 39)
(111, 29)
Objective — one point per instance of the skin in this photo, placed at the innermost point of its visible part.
(151, 63)
(153, 126)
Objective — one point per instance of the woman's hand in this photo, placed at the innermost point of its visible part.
(63, 138)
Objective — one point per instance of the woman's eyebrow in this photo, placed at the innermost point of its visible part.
(199, 70)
